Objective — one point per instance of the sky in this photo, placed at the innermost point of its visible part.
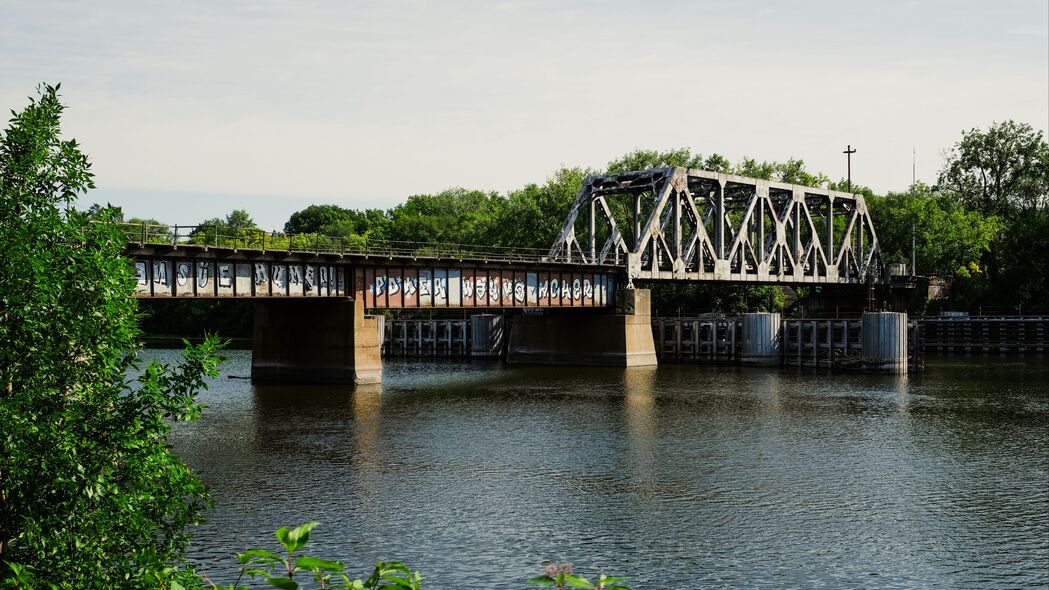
(191, 109)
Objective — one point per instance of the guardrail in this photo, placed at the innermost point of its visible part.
(219, 236)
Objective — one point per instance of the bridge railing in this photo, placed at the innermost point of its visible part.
(223, 236)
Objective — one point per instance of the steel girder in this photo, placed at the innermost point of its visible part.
(685, 224)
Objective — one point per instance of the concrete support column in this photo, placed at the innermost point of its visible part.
(588, 337)
(884, 339)
(315, 341)
(761, 339)
(487, 332)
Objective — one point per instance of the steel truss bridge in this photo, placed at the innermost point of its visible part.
(684, 224)
(664, 224)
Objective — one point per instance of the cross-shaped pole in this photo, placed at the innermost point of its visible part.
(848, 154)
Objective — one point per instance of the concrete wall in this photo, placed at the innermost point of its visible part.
(315, 341)
(588, 339)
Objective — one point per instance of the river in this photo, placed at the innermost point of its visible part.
(678, 477)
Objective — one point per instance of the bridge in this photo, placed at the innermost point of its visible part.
(664, 224)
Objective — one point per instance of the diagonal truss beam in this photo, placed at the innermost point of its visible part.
(684, 224)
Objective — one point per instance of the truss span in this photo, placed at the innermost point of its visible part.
(685, 224)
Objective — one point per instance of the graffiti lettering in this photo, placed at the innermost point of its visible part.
(203, 275)
(481, 288)
(424, 285)
(325, 277)
(577, 290)
(309, 278)
(182, 273)
(468, 288)
(440, 288)
(225, 276)
(140, 273)
(410, 286)
(393, 286)
(260, 273)
(160, 273)
(519, 290)
(379, 286)
(544, 289)
(588, 289)
(295, 275)
(554, 288)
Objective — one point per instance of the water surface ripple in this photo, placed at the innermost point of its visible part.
(678, 477)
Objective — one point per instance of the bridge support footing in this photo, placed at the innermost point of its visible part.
(885, 342)
(585, 338)
(315, 341)
(761, 339)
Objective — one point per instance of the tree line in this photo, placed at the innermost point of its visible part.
(980, 229)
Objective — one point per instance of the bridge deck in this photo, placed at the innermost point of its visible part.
(381, 281)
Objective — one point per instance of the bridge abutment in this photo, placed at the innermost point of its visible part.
(588, 338)
(315, 341)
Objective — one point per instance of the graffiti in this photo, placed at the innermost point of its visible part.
(379, 286)
(260, 274)
(577, 290)
(182, 273)
(555, 288)
(519, 290)
(480, 289)
(160, 273)
(324, 277)
(140, 274)
(203, 275)
(225, 276)
(295, 275)
(280, 276)
(468, 288)
(588, 289)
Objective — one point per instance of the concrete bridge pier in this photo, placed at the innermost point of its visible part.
(587, 337)
(885, 342)
(315, 341)
(761, 339)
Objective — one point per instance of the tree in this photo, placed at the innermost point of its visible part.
(950, 240)
(1002, 171)
(90, 494)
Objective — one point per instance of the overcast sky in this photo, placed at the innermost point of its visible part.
(191, 109)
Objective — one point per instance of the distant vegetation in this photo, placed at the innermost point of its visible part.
(982, 228)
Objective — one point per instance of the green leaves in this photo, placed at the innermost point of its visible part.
(296, 538)
(90, 494)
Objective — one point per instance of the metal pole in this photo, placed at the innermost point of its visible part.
(848, 154)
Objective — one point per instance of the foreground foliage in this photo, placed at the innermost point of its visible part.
(292, 570)
(90, 494)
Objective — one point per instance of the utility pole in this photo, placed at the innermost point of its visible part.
(848, 153)
(914, 159)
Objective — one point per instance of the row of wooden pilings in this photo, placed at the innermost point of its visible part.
(879, 341)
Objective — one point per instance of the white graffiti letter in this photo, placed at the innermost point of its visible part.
(182, 273)
(379, 286)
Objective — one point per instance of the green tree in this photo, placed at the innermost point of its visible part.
(90, 494)
(1004, 173)
(1001, 171)
(949, 239)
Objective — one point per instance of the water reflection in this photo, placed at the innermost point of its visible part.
(725, 477)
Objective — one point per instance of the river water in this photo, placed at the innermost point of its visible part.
(678, 477)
